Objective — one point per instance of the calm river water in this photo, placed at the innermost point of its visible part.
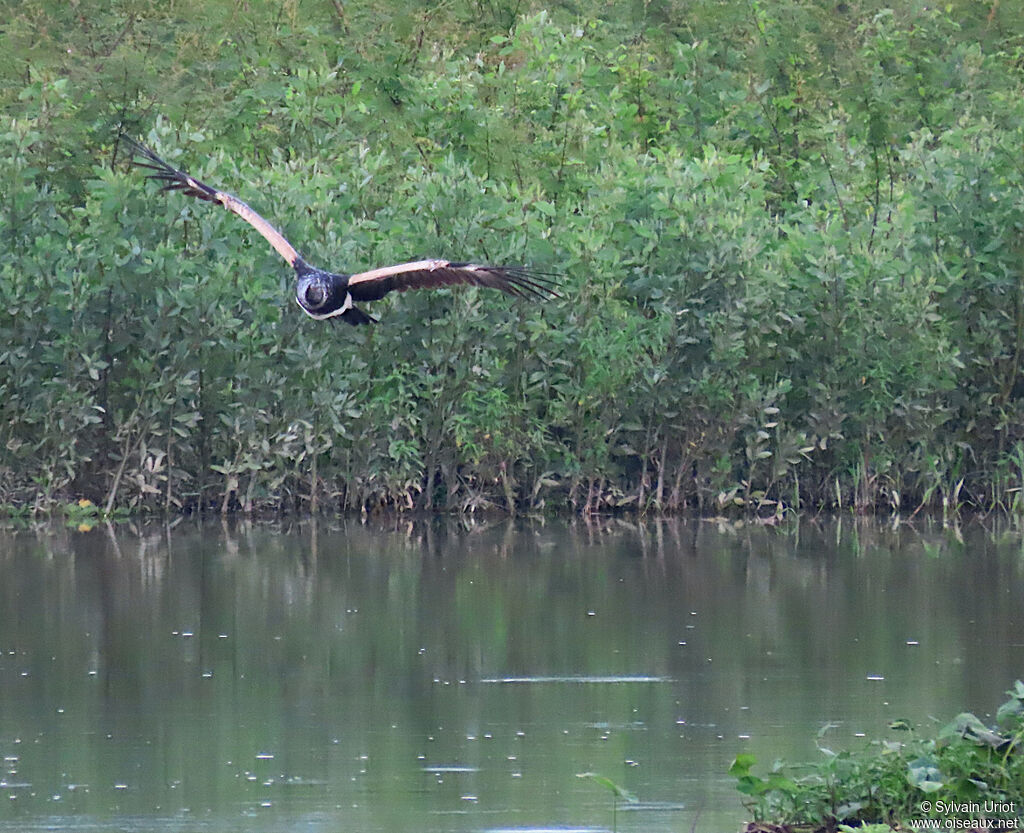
(431, 676)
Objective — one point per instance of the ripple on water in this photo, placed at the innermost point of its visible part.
(555, 829)
(569, 678)
(652, 807)
(451, 768)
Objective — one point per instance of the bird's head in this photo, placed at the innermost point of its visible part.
(314, 295)
(320, 294)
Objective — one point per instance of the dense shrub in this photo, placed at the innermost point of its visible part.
(790, 242)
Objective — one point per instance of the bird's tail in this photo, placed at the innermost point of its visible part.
(355, 316)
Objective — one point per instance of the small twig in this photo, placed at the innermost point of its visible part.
(696, 818)
(339, 8)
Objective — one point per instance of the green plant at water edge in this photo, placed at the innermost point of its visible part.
(897, 781)
(618, 792)
(84, 515)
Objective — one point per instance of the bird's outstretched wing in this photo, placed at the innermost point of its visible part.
(431, 274)
(175, 180)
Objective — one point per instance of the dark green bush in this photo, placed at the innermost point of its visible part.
(790, 241)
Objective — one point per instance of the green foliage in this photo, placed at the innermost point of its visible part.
(790, 240)
(619, 792)
(967, 766)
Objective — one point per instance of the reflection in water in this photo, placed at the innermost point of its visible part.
(433, 676)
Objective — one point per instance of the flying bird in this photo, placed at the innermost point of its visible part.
(323, 294)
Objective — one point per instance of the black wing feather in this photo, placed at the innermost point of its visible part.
(173, 179)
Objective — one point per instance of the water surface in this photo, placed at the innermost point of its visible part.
(433, 676)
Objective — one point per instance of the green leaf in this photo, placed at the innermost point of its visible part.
(923, 774)
(965, 725)
(742, 764)
(618, 791)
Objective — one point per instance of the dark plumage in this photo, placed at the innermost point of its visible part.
(323, 294)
